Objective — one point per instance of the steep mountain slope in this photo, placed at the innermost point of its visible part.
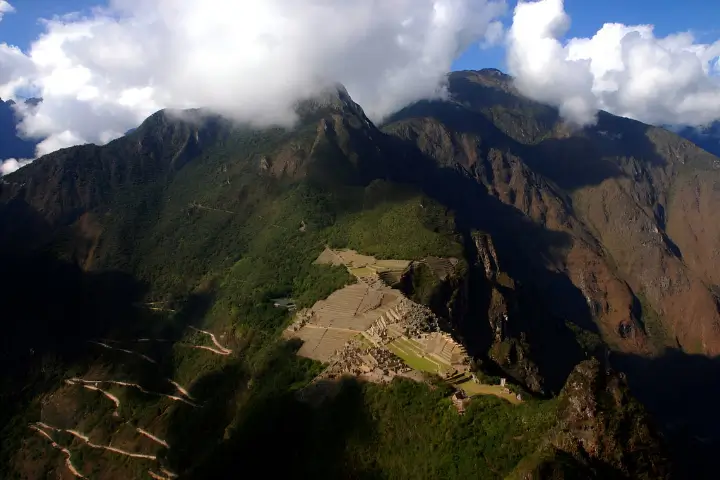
(636, 189)
(202, 223)
(632, 205)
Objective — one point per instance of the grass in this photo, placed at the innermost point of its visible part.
(415, 348)
(361, 271)
(413, 360)
(365, 342)
(471, 389)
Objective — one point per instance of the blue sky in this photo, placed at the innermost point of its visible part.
(588, 16)
(252, 59)
(668, 16)
(23, 26)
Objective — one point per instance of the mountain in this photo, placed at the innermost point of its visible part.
(11, 145)
(578, 265)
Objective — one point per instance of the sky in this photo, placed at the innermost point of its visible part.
(102, 66)
(588, 16)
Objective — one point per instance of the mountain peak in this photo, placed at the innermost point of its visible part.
(334, 97)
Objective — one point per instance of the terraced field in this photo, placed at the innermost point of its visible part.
(471, 389)
(322, 343)
(371, 311)
(363, 266)
(412, 358)
(348, 312)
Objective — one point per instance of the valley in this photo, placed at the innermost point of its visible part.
(205, 291)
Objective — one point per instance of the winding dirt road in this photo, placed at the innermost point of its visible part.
(109, 448)
(133, 385)
(130, 352)
(152, 437)
(166, 475)
(109, 395)
(220, 349)
(41, 428)
(65, 451)
(180, 388)
(94, 385)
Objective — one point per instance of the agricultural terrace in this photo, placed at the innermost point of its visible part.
(375, 317)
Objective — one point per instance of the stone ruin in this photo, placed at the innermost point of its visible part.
(407, 319)
(378, 314)
(374, 364)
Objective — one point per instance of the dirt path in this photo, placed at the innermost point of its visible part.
(157, 476)
(90, 385)
(152, 437)
(166, 475)
(68, 455)
(180, 388)
(133, 385)
(109, 395)
(131, 352)
(109, 448)
(41, 428)
(226, 351)
(219, 349)
(86, 439)
(203, 347)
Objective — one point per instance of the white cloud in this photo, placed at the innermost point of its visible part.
(12, 164)
(252, 60)
(494, 35)
(625, 70)
(5, 7)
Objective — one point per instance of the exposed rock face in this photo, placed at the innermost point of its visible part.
(618, 216)
(509, 345)
(603, 426)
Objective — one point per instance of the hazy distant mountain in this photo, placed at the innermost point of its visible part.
(11, 144)
(707, 137)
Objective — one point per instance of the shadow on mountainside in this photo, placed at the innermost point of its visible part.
(272, 431)
(681, 390)
(595, 154)
(50, 310)
(571, 158)
(571, 162)
(526, 252)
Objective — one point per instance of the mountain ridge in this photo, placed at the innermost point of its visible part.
(216, 219)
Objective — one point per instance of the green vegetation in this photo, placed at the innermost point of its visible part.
(472, 389)
(214, 221)
(402, 430)
(418, 434)
(589, 341)
(411, 358)
(409, 229)
(423, 284)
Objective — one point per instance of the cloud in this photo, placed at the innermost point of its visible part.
(101, 74)
(5, 7)
(494, 35)
(625, 70)
(12, 164)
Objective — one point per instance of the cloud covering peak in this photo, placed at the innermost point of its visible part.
(102, 74)
(626, 70)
